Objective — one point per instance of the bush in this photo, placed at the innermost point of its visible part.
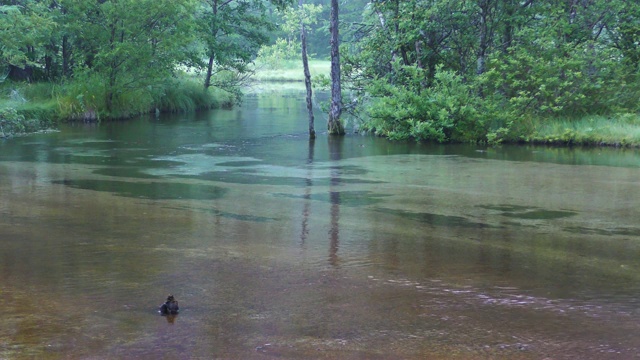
(282, 52)
(449, 110)
(13, 123)
(10, 122)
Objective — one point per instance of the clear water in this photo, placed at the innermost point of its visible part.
(350, 248)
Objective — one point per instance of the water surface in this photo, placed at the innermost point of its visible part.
(351, 248)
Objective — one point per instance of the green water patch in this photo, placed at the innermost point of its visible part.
(240, 163)
(151, 163)
(437, 219)
(248, 178)
(519, 224)
(148, 190)
(505, 208)
(128, 172)
(604, 232)
(346, 198)
(252, 177)
(224, 214)
(540, 214)
(528, 213)
(347, 169)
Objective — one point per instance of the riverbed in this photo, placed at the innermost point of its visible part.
(342, 248)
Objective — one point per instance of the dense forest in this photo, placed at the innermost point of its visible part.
(482, 70)
(431, 70)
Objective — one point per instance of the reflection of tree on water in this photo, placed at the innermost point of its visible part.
(307, 195)
(335, 154)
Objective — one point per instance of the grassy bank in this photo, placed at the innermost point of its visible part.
(613, 130)
(31, 107)
(18, 115)
(290, 71)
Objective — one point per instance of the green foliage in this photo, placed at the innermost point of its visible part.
(449, 70)
(276, 56)
(293, 17)
(404, 108)
(16, 122)
(183, 95)
(23, 32)
(288, 49)
(231, 33)
(10, 122)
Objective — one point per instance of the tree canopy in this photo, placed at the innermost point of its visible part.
(438, 70)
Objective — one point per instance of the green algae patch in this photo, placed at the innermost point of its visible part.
(148, 190)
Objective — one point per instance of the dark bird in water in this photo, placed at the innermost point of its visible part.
(170, 307)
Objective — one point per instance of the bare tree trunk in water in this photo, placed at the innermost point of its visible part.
(334, 125)
(307, 75)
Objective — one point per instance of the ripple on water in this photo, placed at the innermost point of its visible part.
(510, 319)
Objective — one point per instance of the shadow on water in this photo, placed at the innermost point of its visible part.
(437, 219)
(225, 214)
(523, 212)
(335, 151)
(148, 190)
(346, 198)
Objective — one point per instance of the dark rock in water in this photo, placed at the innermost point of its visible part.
(170, 307)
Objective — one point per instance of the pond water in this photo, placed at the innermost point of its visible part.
(350, 248)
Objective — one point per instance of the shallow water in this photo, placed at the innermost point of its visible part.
(350, 248)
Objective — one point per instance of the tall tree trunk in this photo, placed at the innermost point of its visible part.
(334, 125)
(214, 32)
(432, 57)
(482, 37)
(66, 57)
(207, 79)
(507, 35)
(307, 75)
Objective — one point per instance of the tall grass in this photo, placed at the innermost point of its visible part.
(615, 130)
(28, 107)
(75, 99)
(186, 95)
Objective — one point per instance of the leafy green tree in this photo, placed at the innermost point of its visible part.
(24, 26)
(131, 45)
(232, 32)
(288, 47)
(511, 59)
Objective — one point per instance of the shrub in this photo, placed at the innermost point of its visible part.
(404, 107)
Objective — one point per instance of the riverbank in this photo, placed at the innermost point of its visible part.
(27, 108)
(617, 130)
(290, 71)
(31, 107)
